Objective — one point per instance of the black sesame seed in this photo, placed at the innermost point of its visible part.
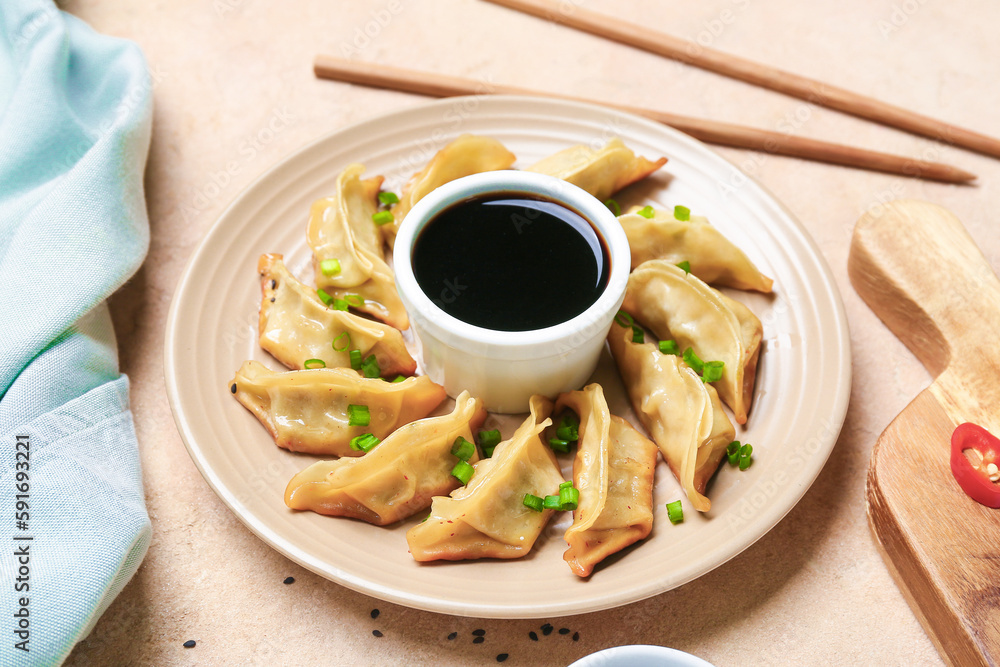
(564, 631)
(375, 613)
(233, 388)
(272, 299)
(377, 633)
(274, 283)
(533, 635)
(576, 636)
(479, 633)
(502, 656)
(452, 636)
(289, 580)
(479, 640)
(189, 643)
(547, 629)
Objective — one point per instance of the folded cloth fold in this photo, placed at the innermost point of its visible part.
(75, 113)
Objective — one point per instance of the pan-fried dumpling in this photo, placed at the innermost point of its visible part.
(296, 326)
(678, 306)
(309, 411)
(682, 413)
(466, 155)
(341, 228)
(613, 471)
(712, 257)
(398, 477)
(487, 518)
(601, 172)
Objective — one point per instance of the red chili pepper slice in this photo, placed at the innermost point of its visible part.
(976, 480)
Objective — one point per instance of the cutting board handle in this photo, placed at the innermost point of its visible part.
(917, 268)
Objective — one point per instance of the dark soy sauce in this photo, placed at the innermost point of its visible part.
(511, 262)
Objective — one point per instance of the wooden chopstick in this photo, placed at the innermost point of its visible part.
(715, 132)
(811, 90)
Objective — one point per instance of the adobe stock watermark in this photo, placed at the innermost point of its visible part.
(248, 148)
(365, 35)
(899, 16)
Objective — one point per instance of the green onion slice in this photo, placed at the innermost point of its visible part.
(463, 471)
(382, 218)
(686, 265)
(345, 342)
(398, 378)
(314, 363)
(463, 449)
(746, 456)
(355, 356)
(358, 415)
(675, 512)
(488, 440)
(355, 300)
(569, 497)
(330, 267)
(551, 503)
(692, 360)
(532, 501)
(713, 371)
(364, 442)
(638, 335)
(646, 212)
(559, 445)
(613, 205)
(682, 213)
(340, 304)
(624, 319)
(370, 367)
(670, 347)
(388, 198)
(324, 297)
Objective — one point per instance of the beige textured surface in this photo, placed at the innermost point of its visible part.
(813, 590)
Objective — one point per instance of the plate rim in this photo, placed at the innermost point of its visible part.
(838, 410)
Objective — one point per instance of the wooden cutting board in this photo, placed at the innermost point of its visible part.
(915, 265)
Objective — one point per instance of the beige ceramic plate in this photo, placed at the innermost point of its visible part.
(799, 407)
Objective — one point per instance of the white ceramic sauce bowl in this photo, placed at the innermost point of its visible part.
(505, 368)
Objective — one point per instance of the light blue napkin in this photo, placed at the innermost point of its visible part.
(75, 110)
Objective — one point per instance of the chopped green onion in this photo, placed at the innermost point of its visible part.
(382, 218)
(314, 363)
(398, 378)
(746, 456)
(624, 319)
(488, 440)
(551, 503)
(463, 449)
(568, 432)
(340, 304)
(733, 452)
(355, 300)
(346, 338)
(675, 512)
(358, 415)
(532, 502)
(559, 445)
(330, 267)
(355, 356)
(670, 347)
(713, 371)
(646, 212)
(364, 442)
(569, 497)
(370, 367)
(692, 360)
(686, 265)
(463, 471)
(565, 485)
(638, 335)
(388, 198)
(324, 297)
(682, 213)
(613, 205)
